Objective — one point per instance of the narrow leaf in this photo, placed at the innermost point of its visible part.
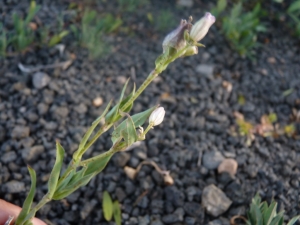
(98, 163)
(294, 7)
(52, 183)
(276, 219)
(107, 206)
(293, 220)
(269, 214)
(112, 116)
(65, 181)
(29, 199)
(71, 188)
(28, 222)
(117, 213)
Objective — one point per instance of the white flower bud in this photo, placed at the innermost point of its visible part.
(200, 29)
(157, 116)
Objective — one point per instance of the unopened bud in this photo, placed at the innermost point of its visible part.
(200, 28)
(157, 116)
(175, 39)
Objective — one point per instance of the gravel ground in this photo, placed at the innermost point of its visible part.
(38, 108)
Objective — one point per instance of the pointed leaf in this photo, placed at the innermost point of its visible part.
(295, 6)
(33, 9)
(65, 181)
(276, 219)
(29, 199)
(107, 206)
(129, 133)
(117, 213)
(293, 220)
(112, 115)
(98, 163)
(71, 188)
(269, 214)
(52, 183)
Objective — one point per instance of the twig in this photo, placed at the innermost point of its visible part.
(232, 220)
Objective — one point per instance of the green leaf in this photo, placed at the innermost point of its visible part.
(269, 214)
(57, 38)
(28, 222)
(65, 181)
(294, 220)
(52, 183)
(138, 120)
(107, 206)
(295, 6)
(29, 199)
(117, 213)
(76, 177)
(221, 5)
(87, 135)
(113, 114)
(33, 9)
(277, 218)
(236, 11)
(129, 133)
(97, 163)
(71, 188)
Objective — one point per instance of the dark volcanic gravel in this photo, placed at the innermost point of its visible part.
(38, 108)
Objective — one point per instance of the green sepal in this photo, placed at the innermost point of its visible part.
(117, 213)
(129, 133)
(71, 188)
(200, 45)
(186, 36)
(113, 115)
(53, 180)
(29, 199)
(107, 206)
(77, 155)
(138, 120)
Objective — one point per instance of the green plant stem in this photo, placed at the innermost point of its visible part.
(148, 80)
(44, 200)
(102, 130)
(74, 164)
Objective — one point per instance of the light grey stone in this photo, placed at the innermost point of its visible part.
(40, 80)
(214, 200)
